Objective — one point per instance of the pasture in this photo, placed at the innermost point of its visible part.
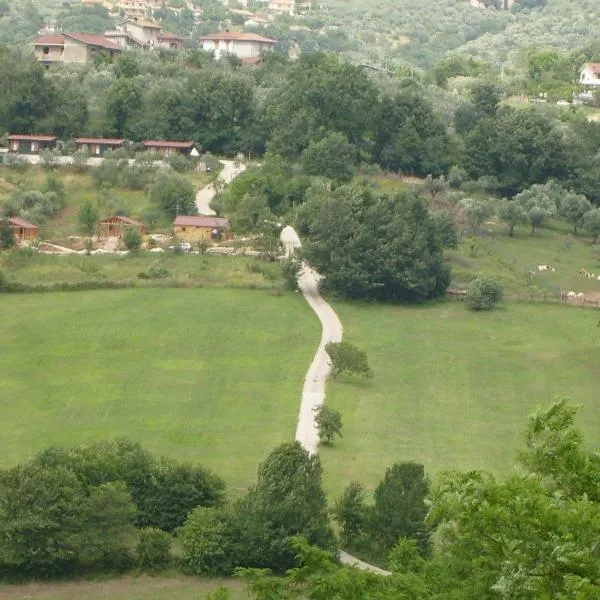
(212, 376)
(453, 388)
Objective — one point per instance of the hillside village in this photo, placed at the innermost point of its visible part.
(299, 300)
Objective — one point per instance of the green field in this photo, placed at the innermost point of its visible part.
(210, 376)
(125, 588)
(453, 389)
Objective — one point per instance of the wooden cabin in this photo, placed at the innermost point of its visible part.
(191, 229)
(97, 146)
(22, 230)
(30, 144)
(115, 226)
(165, 148)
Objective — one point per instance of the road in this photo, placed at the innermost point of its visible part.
(205, 195)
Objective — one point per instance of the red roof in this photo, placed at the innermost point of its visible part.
(32, 138)
(239, 36)
(109, 141)
(213, 222)
(18, 222)
(593, 67)
(123, 219)
(49, 40)
(165, 144)
(94, 40)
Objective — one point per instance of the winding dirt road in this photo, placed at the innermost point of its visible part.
(205, 195)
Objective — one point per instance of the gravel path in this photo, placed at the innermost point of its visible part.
(313, 393)
(204, 196)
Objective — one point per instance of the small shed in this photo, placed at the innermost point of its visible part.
(97, 146)
(165, 148)
(192, 228)
(30, 144)
(22, 230)
(116, 225)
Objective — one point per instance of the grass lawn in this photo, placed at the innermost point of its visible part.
(453, 389)
(212, 376)
(125, 588)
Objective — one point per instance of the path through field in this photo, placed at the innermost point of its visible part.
(313, 392)
(205, 195)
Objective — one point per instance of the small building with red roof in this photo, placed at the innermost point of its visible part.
(590, 74)
(194, 228)
(116, 225)
(30, 144)
(97, 146)
(166, 148)
(72, 47)
(236, 43)
(22, 230)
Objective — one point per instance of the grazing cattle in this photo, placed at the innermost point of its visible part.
(590, 275)
(571, 295)
(546, 268)
(580, 296)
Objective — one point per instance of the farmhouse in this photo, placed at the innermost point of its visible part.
(165, 148)
(115, 226)
(243, 45)
(22, 230)
(191, 229)
(30, 144)
(97, 146)
(72, 48)
(590, 74)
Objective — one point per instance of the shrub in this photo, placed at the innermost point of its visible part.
(7, 239)
(16, 162)
(483, 294)
(153, 549)
(179, 163)
(132, 238)
(79, 161)
(347, 358)
(290, 271)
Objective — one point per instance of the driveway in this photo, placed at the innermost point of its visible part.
(205, 195)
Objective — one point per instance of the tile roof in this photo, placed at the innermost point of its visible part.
(18, 222)
(32, 138)
(189, 221)
(94, 40)
(239, 36)
(49, 40)
(166, 144)
(167, 35)
(123, 219)
(111, 141)
(593, 67)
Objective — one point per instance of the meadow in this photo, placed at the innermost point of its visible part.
(453, 388)
(212, 376)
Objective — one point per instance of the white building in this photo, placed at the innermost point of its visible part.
(590, 74)
(289, 7)
(246, 46)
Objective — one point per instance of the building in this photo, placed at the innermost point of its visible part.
(191, 229)
(165, 148)
(30, 144)
(590, 74)
(22, 230)
(116, 226)
(289, 7)
(97, 146)
(243, 45)
(170, 40)
(256, 21)
(141, 33)
(72, 47)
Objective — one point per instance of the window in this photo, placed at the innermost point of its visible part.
(46, 50)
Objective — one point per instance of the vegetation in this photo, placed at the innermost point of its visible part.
(347, 358)
(483, 294)
(329, 423)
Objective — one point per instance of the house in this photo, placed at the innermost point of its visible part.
(22, 230)
(590, 74)
(191, 229)
(97, 146)
(72, 47)
(170, 40)
(115, 226)
(289, 7)
(256, 21)
(30, 144)
(165, 148)
(135, 33)
(242, 45)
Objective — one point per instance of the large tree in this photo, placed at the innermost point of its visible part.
(386, 248)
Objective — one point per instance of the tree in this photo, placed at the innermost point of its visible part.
(329, 423)
(347, 358)
(88, 218)
(174, 193)
(400, 508)
(132, 238)
(153, 549)
(350, 512)
(573, 207)
(476, 211)
(483, 294)
(332, 157)
(591, 223)
(512, 213)
(538, 202)
(7, 239)
(384, 248)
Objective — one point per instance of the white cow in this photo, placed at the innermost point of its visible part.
(571, 295)
(546, 268)
(580, 296)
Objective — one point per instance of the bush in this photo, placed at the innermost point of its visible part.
(153, 549)
(290, 271)
(16, 162)
(179, 163)
(483, 294)
(347, 358)
(7, 239)
(132, 238)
